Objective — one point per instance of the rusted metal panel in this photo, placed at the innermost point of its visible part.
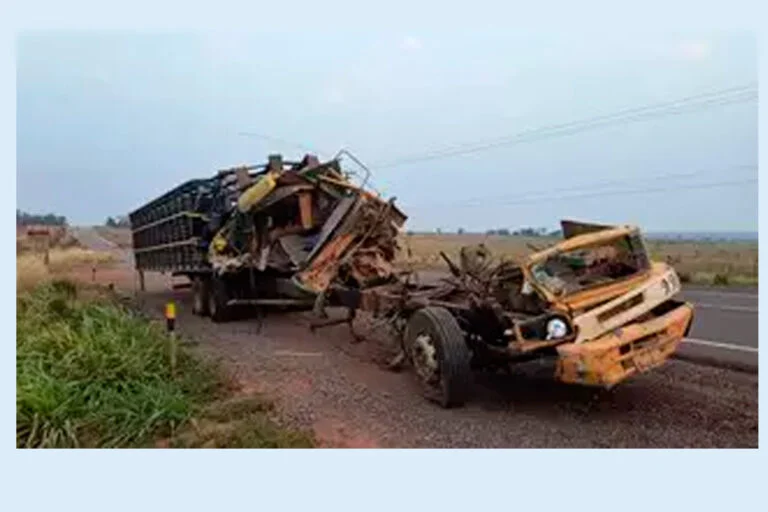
(573, 228)
(305, 209)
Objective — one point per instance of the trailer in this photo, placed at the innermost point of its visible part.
(273, 234)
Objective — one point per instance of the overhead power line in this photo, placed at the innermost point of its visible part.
(546, 194)
(649, 190)
(278, 140)
(669, 108)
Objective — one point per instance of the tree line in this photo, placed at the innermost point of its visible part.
(47, 219)
(529, 232)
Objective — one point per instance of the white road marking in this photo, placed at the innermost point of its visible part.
(744, 309)
(717, 344)
(742, 295)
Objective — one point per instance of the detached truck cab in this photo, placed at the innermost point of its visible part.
(624, 308)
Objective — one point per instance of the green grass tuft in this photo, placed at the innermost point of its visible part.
(94, 374)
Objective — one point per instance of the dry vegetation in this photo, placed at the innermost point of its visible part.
(59, 238)
(31, 269)
(64, 255)
(716, 263)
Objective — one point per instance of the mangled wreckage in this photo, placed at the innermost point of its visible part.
(272, 234)
(303, 233)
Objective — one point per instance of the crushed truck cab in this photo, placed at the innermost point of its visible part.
(626, 320)
(634, 348)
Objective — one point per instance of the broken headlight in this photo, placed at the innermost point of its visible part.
(556, 329)
(546, 327)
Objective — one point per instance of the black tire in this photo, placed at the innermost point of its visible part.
(453, 384)
(200, 292)
(218, 296)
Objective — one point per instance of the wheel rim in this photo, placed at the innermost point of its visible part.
(425, 361)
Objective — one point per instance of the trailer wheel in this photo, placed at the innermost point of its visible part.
(218, 295)
(201, 292)
(438, 351)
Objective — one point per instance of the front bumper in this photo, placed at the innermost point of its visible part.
(634, 348)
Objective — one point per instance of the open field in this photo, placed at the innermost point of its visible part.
(706, 263)
(101, 374)
(710, 263)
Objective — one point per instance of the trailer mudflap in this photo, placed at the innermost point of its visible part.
(632, 349)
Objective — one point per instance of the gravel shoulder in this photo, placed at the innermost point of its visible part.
(339, 389)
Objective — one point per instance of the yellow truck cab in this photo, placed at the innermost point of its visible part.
(622, 306)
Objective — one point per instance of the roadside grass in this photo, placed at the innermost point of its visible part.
(705, 263)
(91, 372)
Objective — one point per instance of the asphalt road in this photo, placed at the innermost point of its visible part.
(724, 316)
(91, 239)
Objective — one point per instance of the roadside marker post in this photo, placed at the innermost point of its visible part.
(170, 324)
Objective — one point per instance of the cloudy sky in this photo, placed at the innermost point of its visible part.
(106, 121)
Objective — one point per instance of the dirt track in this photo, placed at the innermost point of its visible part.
(326, 383)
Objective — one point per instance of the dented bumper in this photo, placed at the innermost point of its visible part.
(632, 349)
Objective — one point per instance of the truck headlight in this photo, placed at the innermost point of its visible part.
(556, 328)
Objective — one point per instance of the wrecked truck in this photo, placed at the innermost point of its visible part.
(305, 234)
(593, 303)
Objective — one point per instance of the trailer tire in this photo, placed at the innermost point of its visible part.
(452, 383)
(218, 296)
(201, 290)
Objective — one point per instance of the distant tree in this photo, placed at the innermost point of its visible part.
(460, 231)
(439, 231)
(502, 232)
(118, 222)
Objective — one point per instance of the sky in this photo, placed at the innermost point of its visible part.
(106, 121)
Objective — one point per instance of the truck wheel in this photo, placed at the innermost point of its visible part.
(218, 296)
(436, 346)
(201, 292)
